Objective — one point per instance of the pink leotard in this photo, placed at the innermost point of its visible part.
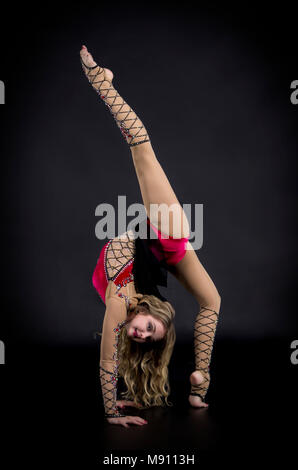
(172, 250)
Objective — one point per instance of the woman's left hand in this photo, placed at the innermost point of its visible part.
(124, 403)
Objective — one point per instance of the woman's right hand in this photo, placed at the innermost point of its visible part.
(124, 420)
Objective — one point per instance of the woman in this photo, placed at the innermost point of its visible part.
(138, 324)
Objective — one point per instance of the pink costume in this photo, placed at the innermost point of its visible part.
(170, 250)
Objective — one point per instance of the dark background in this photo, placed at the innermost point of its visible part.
(212, 86)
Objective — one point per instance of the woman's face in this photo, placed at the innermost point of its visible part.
(145, 328)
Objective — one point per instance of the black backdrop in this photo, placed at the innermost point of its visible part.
(212, 86)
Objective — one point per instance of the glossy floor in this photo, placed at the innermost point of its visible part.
(51, 408)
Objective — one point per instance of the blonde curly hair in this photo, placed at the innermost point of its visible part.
(143, 366)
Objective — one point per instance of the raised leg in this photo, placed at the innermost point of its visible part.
(157, 190)
(154, 185)
(193, 276)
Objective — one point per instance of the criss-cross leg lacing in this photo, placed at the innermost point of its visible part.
(204, 332)
(130, 125)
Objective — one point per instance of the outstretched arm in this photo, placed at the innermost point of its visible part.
(114, 319)
(113, 322)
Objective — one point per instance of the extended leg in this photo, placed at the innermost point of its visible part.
(154, 184)
(193, 276)
(157, 190)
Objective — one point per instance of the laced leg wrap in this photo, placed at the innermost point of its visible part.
(127, 123)
(109, 392)
(204, 333)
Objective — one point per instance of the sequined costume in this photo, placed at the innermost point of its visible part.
(126, 267)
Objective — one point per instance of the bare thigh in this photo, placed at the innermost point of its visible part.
(156, 189)
(194, 277)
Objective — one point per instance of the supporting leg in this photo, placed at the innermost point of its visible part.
(193, 276)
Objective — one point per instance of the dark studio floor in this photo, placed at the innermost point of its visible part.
(52, 410)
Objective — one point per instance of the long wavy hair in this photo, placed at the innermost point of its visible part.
(144, 366)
